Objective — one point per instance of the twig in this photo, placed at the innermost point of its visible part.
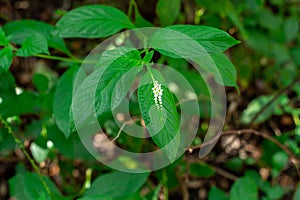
(122, 127)
(20, 144)
(276, 96)
(199, 97)
(294, 158)
(224, 173)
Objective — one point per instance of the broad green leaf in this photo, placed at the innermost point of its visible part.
(201, 170)
(107, 85)
(41, 82)
(255, 106)
(63, 100)
(3, 40)
(291, 28)
(117, 184)
(6, 56)
(168, 11)
(184, 41)
(226, 69)
(275, 192)
(244, 188)
(259, 41)
(92, 21)
(112, 77)
(70, 147)
(21, 29)
(262, 43)
(217, 194)
(162, 124)
(33, 45)
(211, 39)
(29, 186)
(7, 85)
(269, 21)
(279, 160)
(24, 103)
(7, 143)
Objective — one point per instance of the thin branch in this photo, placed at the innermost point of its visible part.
(276, 96)
(224, 173)
(20, 144)
(122, 127)
(199, 97)
(294, 158)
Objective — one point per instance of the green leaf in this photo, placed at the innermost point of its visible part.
(211, 39)
(201, 170)
(117, 69)
(291, 28)
(3, 40)
(200, 44)
(62, 101)
(255, 106)
(92, 21)
(6, 56)
(7, 143)
(226, 69)
(7, 85)
(135, 196)
(244, 188)
(29, 186)
(235, 164)
(70, 147)
(41, 82)
(148, 57)
(21, 29)
(140, 21)
(116, 184)
(269, 21)
(162, 124)
(129, 64)
(279, 160)
(24, 103)
(297, 193)
(168, 11)
(39, 154)
(217, 194)
(33, 45)
(275, 192)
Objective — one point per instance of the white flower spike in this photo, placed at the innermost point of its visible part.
(157, 91)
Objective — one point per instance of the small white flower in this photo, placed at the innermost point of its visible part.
(157, 91)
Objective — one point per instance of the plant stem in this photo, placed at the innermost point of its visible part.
(20, 144)
(149, 70)
(165, 183)
(131, 4)
(74, 60)
(87, 183)
(275, 97)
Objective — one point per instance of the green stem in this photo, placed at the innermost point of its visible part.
(165, 183)
(150, 72)
(74, 60)
(87, 182)
(131, 4)
(20, 144)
